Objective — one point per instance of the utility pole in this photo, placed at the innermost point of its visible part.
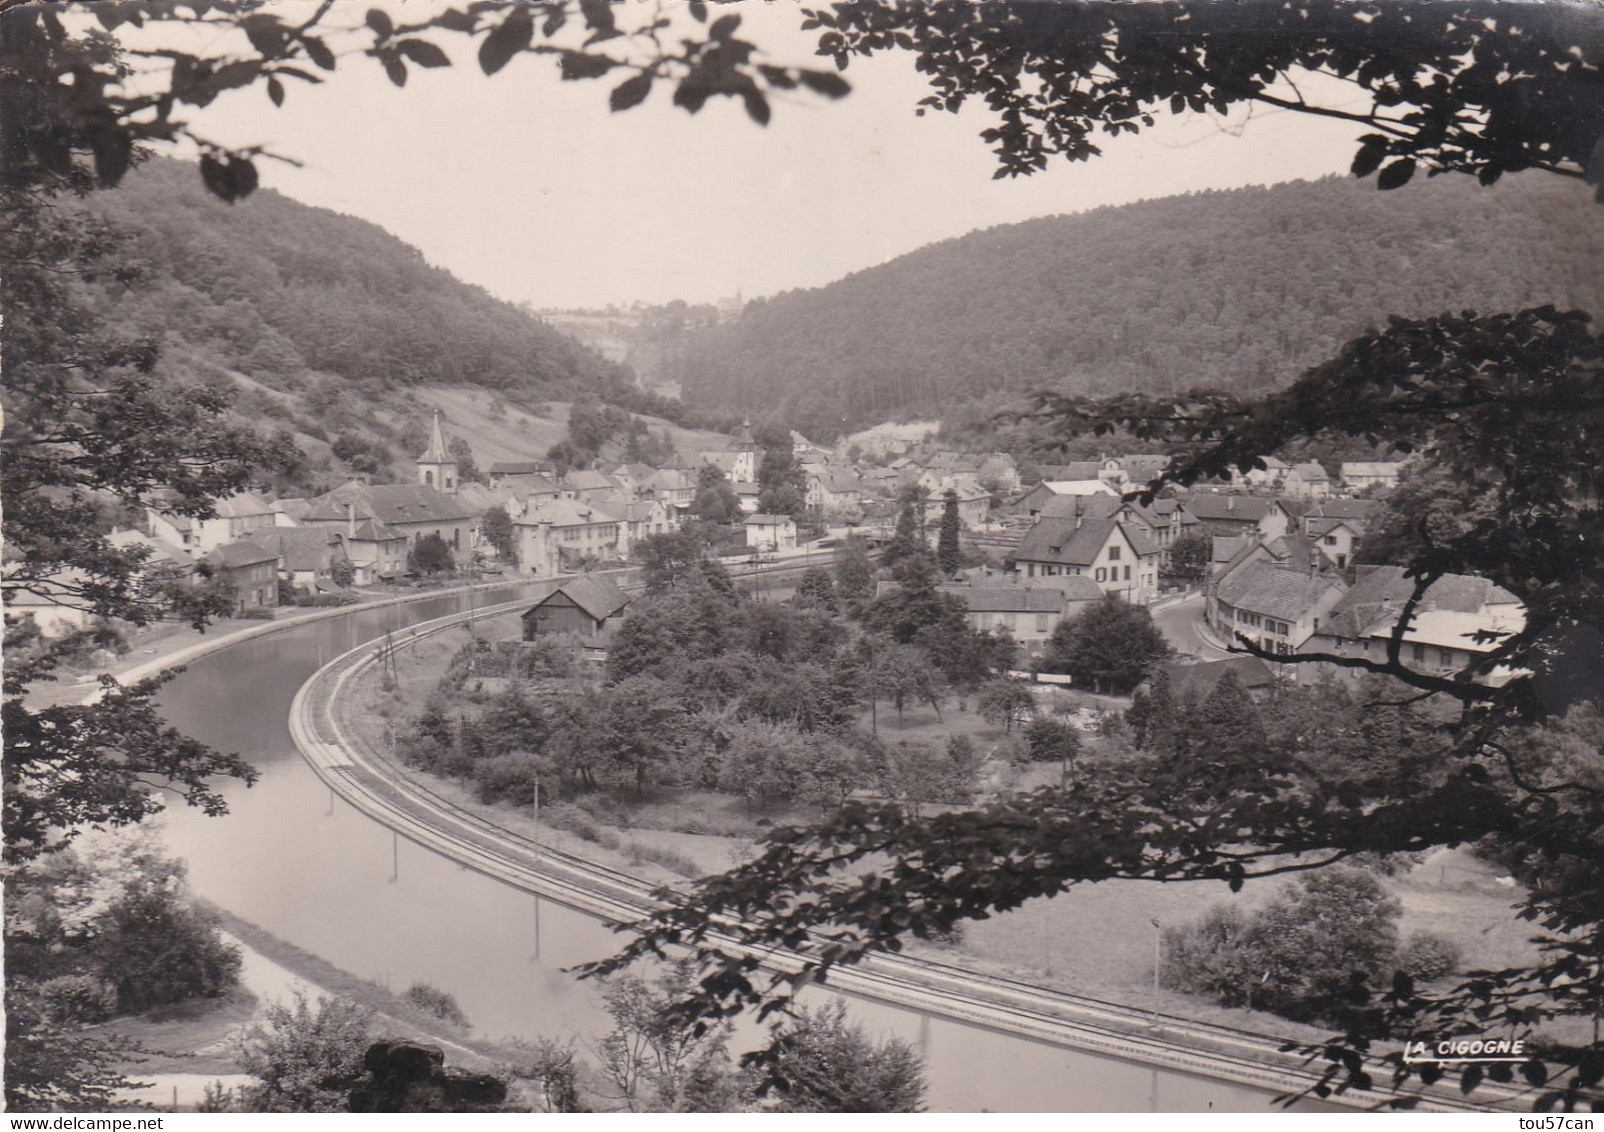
(1158, 963)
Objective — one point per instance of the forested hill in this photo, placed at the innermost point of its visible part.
(1240, 290)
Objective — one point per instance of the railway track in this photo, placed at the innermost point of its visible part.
(374, 784)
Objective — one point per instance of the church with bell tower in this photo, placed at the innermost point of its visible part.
(436, 468)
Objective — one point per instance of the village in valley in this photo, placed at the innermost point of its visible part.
(1273, 557)
(1063, 635)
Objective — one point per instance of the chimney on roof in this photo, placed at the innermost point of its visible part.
(350, 519)
(1230, 503)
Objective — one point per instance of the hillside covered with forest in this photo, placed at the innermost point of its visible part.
(329, 327)
(1239, 290)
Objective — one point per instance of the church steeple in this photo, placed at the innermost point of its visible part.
(436, 468)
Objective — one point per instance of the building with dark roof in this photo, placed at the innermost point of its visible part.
(250, 570)
(1120, 558)
(1197, 681)
(586, 606)
(1278, 605)
(1443, 631)
(1227, 513)
(412, 510)
(234, 517)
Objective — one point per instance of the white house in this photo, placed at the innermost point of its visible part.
(770, 532)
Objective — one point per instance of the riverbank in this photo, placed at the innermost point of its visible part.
(192, 1045)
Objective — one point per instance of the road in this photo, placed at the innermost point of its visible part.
(1179, 624)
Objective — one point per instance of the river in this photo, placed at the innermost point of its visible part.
(296, 860)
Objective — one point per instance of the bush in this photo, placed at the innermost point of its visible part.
(433, 1000)
(78, 998)
(1426, 956)
(306, 1058)
(1305, 956)
(1209, 957)
(668, 858)
(157, 950)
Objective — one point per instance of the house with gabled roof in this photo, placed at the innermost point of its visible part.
(413, 510)
(673, 487)
(1196, 682)
(1368, 475)
(567, 534)
(502, 471)
(1271, 477)
(234, 517)
(588, 606)
(250, 570)
(1307, 481)
(1447, 630)
(770, 532)
(1229, 513)
(1027, 613)
(309, 557)
(1277, 605)
(834, 490)
(1119, 557)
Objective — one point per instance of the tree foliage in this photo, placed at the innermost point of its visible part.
(1111, 645)
(821, 1062)
(305, 1057)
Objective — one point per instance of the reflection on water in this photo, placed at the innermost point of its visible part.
(302, 864)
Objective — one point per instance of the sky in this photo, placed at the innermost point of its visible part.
(529, 187)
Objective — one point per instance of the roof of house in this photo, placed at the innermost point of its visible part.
(1275, 590)
(669, 479)
(839, 482)
(1141, 542)
(160, 549)
(1082, 506)
(1009, 599)
(1199, 680)
(302, 548)
(568, 513)
(1225, 548)
(294, 507)
(394, 504)
(1371, 468)
(242, 505)
(244, 552)
(767, 520)
(1066, 541)
(478, 498)
(588, 479)
(598, 597)
(1450, 629)
(1345, 508)
(746, 489)
(1217, 507)
(1309, 472)
(519, 467)
(1087, 486)
(1074, 587)
(368, 530)
(1379, 593)
(1318, 527)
